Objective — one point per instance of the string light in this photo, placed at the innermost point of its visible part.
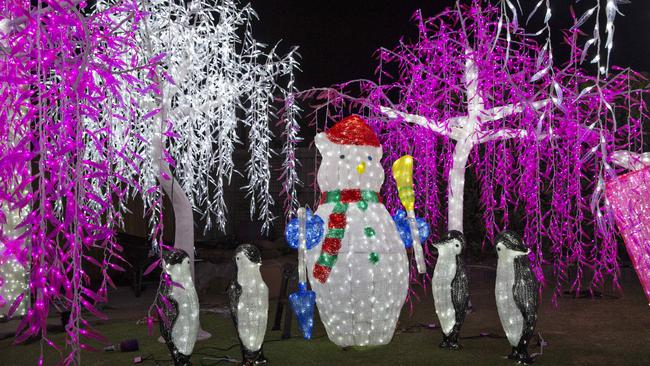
(13, 274)
(14, 289)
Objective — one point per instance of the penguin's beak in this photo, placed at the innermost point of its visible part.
(361, 168)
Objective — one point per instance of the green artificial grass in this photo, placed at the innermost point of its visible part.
(605, 331)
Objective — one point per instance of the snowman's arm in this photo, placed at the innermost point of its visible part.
(404, 230)
(315, 230)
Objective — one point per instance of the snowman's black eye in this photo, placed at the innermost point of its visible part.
(457, 245)
(499, 249)
(369, 158)
(342, 156)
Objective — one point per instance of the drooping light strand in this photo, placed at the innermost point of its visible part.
(216, 70)
(289, 118)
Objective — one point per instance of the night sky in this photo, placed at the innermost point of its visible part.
(337, 38)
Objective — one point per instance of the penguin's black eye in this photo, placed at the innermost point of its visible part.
(369, 158)
(342, 156)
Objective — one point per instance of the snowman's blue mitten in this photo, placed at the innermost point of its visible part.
(402, 223)
(315, 228)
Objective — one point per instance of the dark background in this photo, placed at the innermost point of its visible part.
(337, 38)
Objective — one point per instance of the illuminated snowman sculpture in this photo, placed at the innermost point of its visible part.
(359, 269)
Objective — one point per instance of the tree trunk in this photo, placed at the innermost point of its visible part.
(183, 215)
(456, 185)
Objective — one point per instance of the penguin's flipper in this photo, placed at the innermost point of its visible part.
(526, 295)
(234, 293)
(460, 292)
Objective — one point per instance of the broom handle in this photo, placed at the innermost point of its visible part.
(302, 248)
(417, 246)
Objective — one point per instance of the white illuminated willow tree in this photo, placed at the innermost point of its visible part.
(215, 79)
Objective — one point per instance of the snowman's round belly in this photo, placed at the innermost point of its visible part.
(362, 298)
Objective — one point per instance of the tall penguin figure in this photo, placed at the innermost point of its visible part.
(249, 304)
(450, 287)
(180, 306)
(517, 294)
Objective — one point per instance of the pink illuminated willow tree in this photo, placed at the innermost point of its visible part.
(473, 91)
(129, 98)
(72, 148)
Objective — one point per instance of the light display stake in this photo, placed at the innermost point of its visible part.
(303, 301)
(403, 174)
(178, 306)
(249, 304)
(629, 198)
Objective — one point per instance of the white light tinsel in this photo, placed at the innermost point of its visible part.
(218, 73)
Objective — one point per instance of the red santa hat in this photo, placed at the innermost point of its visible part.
(352, 130)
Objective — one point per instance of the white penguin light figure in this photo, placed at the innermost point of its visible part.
(180, 305)
(517, 294)
(450, 286)
(249, 304)
(359, 270)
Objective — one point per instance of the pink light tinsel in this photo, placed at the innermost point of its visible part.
(540, 170)
(64, 75)
(629, 197)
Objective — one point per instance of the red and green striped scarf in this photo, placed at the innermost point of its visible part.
(336, 225)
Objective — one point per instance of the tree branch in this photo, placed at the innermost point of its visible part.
(496, 113)
(418, 120)
(502, 134)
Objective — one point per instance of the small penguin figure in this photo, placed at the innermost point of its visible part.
(249, 304)
(517, 294)
(180, 307)
(450, 287)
